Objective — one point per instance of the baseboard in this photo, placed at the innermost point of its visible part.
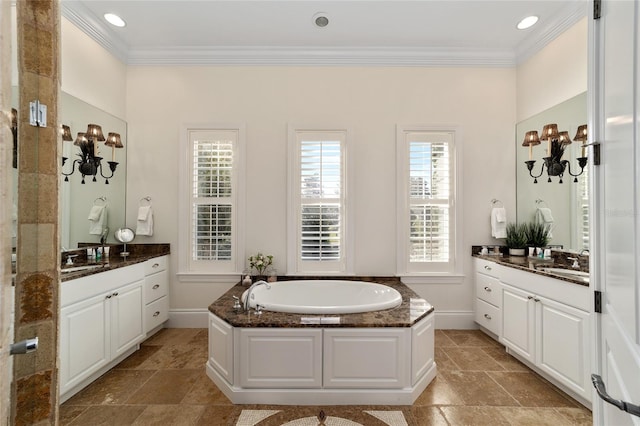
(455, 320)
(188, 318)
(444, 320)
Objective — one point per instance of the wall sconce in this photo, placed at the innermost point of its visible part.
(556, 143)
(89, 163)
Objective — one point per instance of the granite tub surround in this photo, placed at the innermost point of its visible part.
(137, 253)
(412, 309)
(533, 264)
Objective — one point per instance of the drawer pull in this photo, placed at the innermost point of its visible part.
(156, 313)
(157, 286)
(155, 265)
(487, 267)
(529, 297)
(487, 316)
(115, 294)
(487, 289)
(536, 299)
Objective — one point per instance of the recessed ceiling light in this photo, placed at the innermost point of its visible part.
(320, 20)
(114, 19)
(527, 22)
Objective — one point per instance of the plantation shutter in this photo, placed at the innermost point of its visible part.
(583, 209)
(212, 194)
(429, 197)
(321, 226)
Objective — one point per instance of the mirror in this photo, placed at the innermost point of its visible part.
(77, 199)
(567, 201)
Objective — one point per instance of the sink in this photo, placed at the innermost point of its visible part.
(567, 273)
(80, 268)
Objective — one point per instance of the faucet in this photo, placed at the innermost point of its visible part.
(575, 265)
(582, 252)
(254, 285)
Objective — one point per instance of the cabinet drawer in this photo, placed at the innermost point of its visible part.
(154, 265)
(156, 286)
(488, 289)
(156, 313)
(488, 316)
(487, 268)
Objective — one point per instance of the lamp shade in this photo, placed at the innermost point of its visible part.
(531, 138)
(94, 131)
(550, 131)
(114, 140)
(81, 139)
(564, 138)
(581, 134)
(66, 133)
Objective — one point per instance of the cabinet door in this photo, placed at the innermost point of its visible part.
(84, 340)
(126, 318)
(518, 322)
(562, 345)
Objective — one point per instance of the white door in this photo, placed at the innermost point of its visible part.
(616, 249)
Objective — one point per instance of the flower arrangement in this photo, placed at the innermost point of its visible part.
(260, 262)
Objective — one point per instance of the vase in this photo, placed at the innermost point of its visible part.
(516, 252)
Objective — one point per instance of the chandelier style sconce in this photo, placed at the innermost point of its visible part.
(556, 144)
(89, 162)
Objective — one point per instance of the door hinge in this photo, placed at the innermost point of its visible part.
(597, 301)
(597, 9)
(596, 154)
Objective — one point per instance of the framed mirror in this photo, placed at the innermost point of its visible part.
(76, 198)
(567, 201)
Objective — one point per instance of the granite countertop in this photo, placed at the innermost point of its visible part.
(138, 253)
(412, 309)
(530, 264)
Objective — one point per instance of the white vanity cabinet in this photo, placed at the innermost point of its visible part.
(156, 297)
(545, 322)
(488, 296)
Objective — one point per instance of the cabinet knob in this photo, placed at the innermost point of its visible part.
(115, 294)
(487, 316)
(529, 297)
(156, 313)
(487, 267)
(108, 296)
(536, 299)
(155, 265)
(487, 289)
(157, 286)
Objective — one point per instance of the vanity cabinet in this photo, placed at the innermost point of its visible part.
(156, 297)
(488, 296)
(101, 319)
(545, 322)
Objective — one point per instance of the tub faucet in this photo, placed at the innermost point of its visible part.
(254, 285)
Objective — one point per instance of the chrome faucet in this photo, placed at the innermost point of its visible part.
(254, 285)
(576, 264)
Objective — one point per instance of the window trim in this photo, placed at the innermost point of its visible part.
(236, 264)
(293, 202)
(455, 266)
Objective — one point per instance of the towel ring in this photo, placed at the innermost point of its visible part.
(103, 199)
(147, 198)
(495, 200)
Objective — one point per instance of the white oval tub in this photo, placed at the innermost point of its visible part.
(324, 297)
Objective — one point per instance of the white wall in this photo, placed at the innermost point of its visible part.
(370, 101)
(554, 74)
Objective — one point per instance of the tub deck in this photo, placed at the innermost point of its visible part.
(412, 309)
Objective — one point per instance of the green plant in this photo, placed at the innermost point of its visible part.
(537, 234)
(260, 262)
(516, 235)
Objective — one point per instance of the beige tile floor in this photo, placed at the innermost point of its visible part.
(478, 383)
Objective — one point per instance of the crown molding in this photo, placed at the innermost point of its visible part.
(570, 15)
(323, 56)
(80, 16)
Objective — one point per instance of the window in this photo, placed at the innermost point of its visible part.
(427, 211)
(317, 201)
(210, 211)
(582, 202)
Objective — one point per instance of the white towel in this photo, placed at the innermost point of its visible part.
(97, 219)
(145, 221)
(544, 216)
(498, 222)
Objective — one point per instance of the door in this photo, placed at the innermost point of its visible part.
(126, 318)
(517, 322)
(614, 120)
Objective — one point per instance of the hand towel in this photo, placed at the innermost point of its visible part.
(145, 221)
(97, 219)
(498, 222)
(544, 216)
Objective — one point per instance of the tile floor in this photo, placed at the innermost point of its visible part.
(165, 383)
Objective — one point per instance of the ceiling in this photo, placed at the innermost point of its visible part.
(418, 32)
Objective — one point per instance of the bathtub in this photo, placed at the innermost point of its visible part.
(324, 297)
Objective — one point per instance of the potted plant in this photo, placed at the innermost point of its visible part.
(516, 239)
(537, 234)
